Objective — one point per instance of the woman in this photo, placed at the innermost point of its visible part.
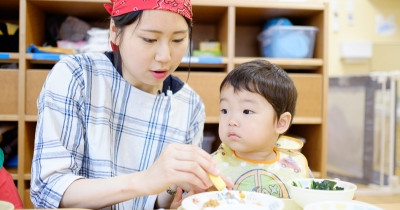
(116, 129)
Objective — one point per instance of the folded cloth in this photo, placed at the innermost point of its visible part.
(35, 49)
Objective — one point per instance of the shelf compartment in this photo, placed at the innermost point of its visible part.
(314, 147)
(27, 199)
(210, 24)
(309, 97)
(34, 82)
(37, 11)
(249, 23)
(29, 144)
(9, 10)
(8, 92)
(207, 88)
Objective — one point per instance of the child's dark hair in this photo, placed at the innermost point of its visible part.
(266, 79)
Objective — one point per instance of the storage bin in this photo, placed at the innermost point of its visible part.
(288, 41)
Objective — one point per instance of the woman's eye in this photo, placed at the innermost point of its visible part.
(178, 40)
(149, 40)
(247, 111)
(224, 111)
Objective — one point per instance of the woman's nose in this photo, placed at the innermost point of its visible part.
(163, 53)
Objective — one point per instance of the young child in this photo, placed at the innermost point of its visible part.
(257, 104)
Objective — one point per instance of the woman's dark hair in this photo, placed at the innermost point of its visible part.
(129, 18)
(266, 79)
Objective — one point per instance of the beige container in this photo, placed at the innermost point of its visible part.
(4, 205)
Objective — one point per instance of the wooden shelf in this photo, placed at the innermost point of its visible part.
(13, 172)
(307, 64)
(234, 23)
(9, 57)
(8, 117)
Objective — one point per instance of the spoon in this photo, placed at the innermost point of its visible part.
(218, 182)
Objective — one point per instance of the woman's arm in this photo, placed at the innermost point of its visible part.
(100, 193)
(178, 163)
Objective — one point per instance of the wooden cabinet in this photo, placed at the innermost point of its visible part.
(234, 23)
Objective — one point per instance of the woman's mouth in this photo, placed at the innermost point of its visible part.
(159, 74)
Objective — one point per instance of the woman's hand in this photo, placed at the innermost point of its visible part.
(181, 164)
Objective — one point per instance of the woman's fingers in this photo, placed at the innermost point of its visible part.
(198, 155)
(180, 163)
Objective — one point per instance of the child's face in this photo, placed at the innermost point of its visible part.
(247, 124)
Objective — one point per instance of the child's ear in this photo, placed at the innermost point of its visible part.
(283, 122)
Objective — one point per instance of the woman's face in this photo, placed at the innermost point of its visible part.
(152, 48)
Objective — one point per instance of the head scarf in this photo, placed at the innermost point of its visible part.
(120, 7)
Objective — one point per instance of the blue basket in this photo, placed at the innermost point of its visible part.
(288, 41)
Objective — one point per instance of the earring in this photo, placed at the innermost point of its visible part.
(114, 47)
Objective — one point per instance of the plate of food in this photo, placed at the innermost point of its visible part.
(232, 200)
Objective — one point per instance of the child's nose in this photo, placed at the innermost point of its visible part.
(233, 122)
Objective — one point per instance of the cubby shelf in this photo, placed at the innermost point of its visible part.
(236, 24)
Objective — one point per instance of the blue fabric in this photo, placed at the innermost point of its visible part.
(280, 21)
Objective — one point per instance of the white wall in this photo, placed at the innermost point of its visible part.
(385, 48)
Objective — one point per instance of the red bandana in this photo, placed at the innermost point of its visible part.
(120, 7)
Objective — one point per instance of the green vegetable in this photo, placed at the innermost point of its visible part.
(324, 185)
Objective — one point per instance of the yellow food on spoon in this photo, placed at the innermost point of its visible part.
(217, 181)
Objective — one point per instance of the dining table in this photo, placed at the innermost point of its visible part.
(389, 206)
(384, 206)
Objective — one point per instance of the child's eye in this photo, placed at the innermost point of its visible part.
(247, 111)
(224, 111)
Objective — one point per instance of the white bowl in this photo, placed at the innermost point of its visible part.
(232, 200)
(341, 205)
(304, 196)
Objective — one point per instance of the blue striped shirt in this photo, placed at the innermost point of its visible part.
(93, 124)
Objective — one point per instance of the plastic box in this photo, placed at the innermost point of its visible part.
(288, 41)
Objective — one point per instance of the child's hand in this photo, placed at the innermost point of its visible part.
(178, 198)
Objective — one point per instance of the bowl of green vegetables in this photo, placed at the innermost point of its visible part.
(309, 190)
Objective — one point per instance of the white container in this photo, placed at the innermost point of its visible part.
(288, 41)
(303, 196)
